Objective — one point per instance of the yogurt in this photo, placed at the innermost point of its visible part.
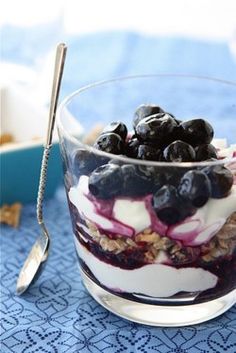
(131, 216)
(156, 280)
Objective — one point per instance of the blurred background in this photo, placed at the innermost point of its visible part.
(112, 38)
(105, 39)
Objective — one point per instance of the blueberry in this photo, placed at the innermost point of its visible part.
(179, 151)
(134, 183)
(168, 206)
(178, 121)
(221, 180)
(173, 174)
(197, 132)
(131, 149)
(155, 129)
(105, 182)
(153, 176)
(116, 127)
(84, 162)
(145, 110)
(110, 142)
(159, 180)
(148, 152)
(175, 135)
(195, 187)
(205, 152)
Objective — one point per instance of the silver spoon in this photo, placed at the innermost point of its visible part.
(39, 253)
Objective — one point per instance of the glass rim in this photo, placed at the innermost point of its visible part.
(125, 159)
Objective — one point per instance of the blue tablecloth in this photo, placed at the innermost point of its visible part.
(57, 315)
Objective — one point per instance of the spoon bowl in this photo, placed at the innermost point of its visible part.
(34, 263)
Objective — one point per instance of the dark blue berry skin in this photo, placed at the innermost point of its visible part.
(205, 152)
(149, 153)
(178, 121)
(195, 188)
(173, 174)
(155, 129)
(145, 110)
(84, 162)
(134, 183)
(153, 176)
(105, 182)
(110, 142)
(131, 149)
(221, 180)
(197, 132)
(169, 208)
(117, 127)
(179, 151)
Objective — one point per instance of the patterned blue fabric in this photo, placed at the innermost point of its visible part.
(57, 315)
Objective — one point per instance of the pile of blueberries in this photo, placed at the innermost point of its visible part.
(158, 136)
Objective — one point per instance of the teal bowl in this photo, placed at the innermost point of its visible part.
(20, 171)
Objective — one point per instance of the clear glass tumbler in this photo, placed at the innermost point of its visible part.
(133, 262)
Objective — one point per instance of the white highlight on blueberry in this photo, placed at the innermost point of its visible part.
(155, 280)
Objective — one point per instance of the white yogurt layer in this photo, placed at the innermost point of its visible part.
(219, 143)
(206, 222)
(227, 152)
(154, 280)
(130, 216)
(132, 213)
(78, 197)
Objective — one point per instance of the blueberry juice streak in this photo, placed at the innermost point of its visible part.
(155, 234)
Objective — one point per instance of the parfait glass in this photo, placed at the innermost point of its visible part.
(132, 261)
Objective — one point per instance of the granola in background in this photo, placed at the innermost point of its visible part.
(10, 214)
(6, 138)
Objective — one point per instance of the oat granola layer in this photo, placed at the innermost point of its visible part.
(152, 244)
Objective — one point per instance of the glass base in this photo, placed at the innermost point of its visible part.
(156, 315)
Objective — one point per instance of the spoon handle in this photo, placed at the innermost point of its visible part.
(58, 71)
(57, 76)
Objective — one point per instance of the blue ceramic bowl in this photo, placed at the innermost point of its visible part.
(20, 170)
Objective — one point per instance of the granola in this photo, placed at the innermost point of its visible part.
(11, 214)
(6, 138)
(222, 244)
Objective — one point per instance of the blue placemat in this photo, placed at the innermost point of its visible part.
(57, 315)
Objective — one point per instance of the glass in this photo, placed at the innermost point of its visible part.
(170, 268)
